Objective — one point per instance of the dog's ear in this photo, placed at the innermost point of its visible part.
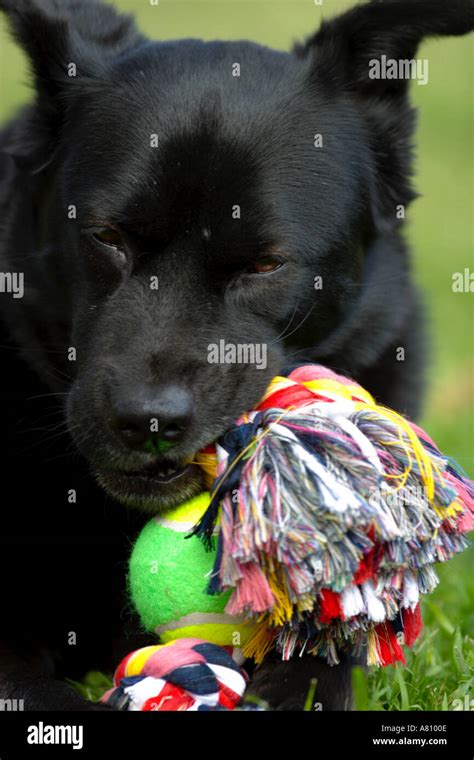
(68, 43)
(346, 55)
(57, 33)
(344, 47)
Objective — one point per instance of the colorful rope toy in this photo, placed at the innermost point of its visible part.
(185, 675)
(326, 515)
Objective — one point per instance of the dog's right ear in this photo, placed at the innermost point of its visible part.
(68, 43)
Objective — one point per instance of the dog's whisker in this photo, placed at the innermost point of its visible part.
(48, 395)
(299, 324)
(288, 324)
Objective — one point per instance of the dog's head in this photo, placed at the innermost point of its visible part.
(203, 212)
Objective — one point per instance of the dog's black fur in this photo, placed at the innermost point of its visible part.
(223, 141)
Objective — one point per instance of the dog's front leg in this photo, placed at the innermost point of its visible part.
(24, 687)
(286, 685)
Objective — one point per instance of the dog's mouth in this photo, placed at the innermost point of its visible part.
(154, 486)
(162, 473)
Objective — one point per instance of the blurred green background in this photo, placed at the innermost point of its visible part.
(439, 224)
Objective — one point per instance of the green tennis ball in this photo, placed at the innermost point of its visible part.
(168, 577)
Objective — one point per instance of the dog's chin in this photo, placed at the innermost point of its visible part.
(152, 492)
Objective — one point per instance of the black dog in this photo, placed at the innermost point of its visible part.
(160, 198)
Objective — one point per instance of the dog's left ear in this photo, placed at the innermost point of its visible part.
(56, 33)
(68, 43)
(347, 54)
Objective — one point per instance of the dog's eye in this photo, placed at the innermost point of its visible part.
(266, 265)
(109, 236)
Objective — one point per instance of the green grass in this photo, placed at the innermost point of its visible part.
(439, 228)
(440, 667)
(94, 685)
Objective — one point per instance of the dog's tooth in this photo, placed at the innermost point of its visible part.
(164, 471)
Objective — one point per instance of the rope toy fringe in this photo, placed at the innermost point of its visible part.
(332, 511)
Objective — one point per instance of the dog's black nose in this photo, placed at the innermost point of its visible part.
(151, 417)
